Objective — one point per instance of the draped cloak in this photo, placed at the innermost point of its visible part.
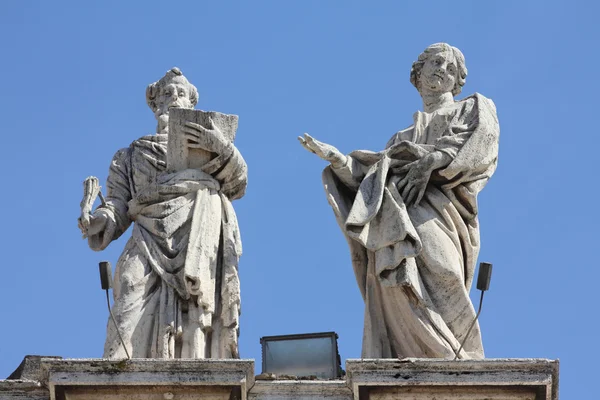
(176, 291)
(415, 265)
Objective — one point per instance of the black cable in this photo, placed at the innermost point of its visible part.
(470, 327)
(116, 326)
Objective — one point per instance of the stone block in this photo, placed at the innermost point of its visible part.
(22, 389)
(420, 379)
(300, 390)
(148, 379)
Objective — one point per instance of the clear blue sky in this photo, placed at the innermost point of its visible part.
(74, 77)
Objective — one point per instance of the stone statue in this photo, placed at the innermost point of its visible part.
(409, 214)
(176, 288)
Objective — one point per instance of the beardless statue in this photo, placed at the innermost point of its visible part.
(409, 214)
(176, 283)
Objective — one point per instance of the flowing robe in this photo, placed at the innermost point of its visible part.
(176, 292)
(415, 265)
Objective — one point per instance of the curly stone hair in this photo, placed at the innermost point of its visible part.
(461, 74)
(174, 73)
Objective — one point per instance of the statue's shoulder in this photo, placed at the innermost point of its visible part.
(121, 156)
(122, 152)
(150, 140)
(404, 134)
(482, 102)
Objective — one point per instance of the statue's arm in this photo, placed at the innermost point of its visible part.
(351, 173)
(345, 167)
(230, 169)
(111, 218)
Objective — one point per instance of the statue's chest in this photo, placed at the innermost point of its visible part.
(146, 165)
(431, 127)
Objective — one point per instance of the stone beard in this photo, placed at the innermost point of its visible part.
(176, 283)
(409, 214)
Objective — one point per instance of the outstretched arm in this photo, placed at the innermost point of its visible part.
(346, 168)
(325, 151)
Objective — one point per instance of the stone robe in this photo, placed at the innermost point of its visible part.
(176, 283)
(415, 265)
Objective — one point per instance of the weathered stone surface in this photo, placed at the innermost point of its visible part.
(148, 393)
(30, 368)
(453, 393)
(176, 288)
(297, 390)
(505, 379)
(383, 379)
(22, 389)
(409, 214)
(179, 154)
(95, 379)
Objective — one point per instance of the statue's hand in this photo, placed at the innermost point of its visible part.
(209, 139)
(412, 187)
(83, 222)
(414, 184)
(323, 150)
(93, 224)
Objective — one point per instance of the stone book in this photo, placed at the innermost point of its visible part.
(179, 155)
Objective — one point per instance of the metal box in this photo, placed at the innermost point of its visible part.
(303, 355)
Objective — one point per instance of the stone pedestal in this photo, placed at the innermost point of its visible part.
(383, 379)
(22, 389)
(148, 379)
(427, 379)
(299, 390)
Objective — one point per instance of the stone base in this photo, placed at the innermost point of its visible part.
(144, 393)
(426, 379)
(22, 389)
(298, 390)
(149, 379)
(383, 379)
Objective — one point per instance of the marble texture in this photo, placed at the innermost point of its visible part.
(381, 379)
(22, 389)
(176, 290)
(420, 379)
(93, 379)
(409, 214)
(300, 389)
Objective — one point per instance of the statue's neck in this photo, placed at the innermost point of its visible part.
(434, 101)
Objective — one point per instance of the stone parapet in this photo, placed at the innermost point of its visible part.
(420, 379)
(380, 379)
(180, 379)
(300, 389)
(22, 389)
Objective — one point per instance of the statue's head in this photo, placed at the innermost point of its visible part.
(440, 68)
(172, 90)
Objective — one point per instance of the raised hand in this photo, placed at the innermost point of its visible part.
(323, 150)
(91, 189)
(209, 139)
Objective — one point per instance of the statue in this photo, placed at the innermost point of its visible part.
(409, 214)
(176, 291)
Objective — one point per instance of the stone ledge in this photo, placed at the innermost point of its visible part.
(75, 375)
(539, 377)
(300, 389)
(22, 389)
(382, 379)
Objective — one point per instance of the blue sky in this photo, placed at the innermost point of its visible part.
(74, 79)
